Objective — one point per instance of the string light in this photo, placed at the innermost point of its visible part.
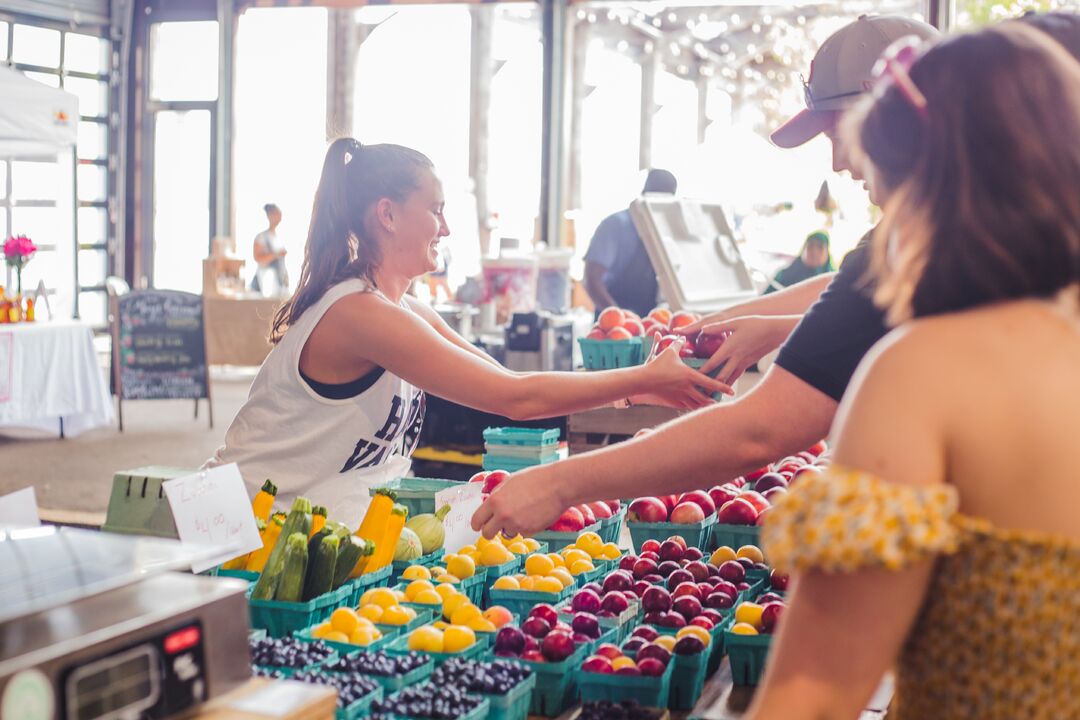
(581, 15)
(623, 46)
(657, 22)
(735, 19)
(672, 17)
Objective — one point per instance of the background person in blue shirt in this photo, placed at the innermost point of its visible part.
(617, 266)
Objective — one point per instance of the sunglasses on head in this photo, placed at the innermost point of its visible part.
(894, 67)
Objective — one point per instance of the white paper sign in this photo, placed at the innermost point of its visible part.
(212, 507)
(19, 509)
(464, 500)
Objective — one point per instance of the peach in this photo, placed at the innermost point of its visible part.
(610, 319)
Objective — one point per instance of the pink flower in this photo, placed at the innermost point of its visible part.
(18, 249)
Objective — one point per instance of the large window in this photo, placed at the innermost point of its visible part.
(696, 90)
(36, 192)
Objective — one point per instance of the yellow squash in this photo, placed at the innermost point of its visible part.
(385, 546)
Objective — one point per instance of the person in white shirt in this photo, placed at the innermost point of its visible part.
(270, 256)
(337, 405)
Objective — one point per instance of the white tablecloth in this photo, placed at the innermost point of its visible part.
(49, 371)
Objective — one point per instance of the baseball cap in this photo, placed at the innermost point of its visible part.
(841, 71)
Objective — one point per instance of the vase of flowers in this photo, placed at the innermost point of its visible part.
(18, 249)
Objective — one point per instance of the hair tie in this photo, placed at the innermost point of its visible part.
(354, 148)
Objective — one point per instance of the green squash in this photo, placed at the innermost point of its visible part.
(408, 547)
(429, 528)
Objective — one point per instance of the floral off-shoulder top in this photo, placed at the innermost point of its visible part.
(998, 636)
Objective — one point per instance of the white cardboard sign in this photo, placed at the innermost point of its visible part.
(212, 507)
(19, 509)
(464, 500)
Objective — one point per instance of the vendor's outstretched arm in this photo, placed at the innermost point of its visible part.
(711, 446)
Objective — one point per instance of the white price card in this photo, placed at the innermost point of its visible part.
(19, 509)
(212, 507)
(464, 500)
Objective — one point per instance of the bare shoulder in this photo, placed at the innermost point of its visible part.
(423, 310)
(361, 310)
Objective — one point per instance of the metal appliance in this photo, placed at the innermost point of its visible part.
(539, 342)
(98, 629)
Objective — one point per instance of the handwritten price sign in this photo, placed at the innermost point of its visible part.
(463, 501)
(212, 507)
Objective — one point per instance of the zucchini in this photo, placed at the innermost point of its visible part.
(320, 577)
(351, 552)
(298, 521)
(291, 583)
(316, 539)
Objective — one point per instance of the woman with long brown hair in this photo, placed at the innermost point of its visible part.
(338, 403)
(944, 541)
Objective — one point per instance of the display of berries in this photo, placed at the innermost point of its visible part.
(607, 710)
(438, 702)
(350, 686)
(377, 663)
(487, 678)
(288, 652)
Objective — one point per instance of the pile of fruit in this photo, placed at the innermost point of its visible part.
(437, 702)
(383, 606)
(746, 500)
(543, 573)
(573, 519)
(690, 640)
(686, 509)
(497, 551)
(454, 606)
(594, 599)
(486, 678)
(348, 626)
(377, 663)
(351, 687)
(543, 637)
(759, 617)
(287, 652)
(621, 324)
(452, 639)
(749, 557)
(625, 710)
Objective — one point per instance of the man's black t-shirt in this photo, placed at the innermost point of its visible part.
(838, 330)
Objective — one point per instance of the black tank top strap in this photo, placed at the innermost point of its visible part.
(346, 390)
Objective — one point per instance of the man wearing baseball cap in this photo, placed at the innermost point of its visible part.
(794, 404)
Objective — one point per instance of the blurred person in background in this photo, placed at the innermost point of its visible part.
(269, 255)
(813, 260)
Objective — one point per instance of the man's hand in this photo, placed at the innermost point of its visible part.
(749, 339)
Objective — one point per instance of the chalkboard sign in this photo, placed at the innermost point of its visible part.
(159, 348)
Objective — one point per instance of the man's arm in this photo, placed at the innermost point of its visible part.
(594, 285)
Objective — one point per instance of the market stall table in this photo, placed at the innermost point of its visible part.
(50, 380)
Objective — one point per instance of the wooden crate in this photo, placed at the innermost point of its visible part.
(595, 429)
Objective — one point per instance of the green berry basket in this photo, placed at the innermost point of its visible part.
(521, 602)
(347, 648)
(360, 585)
(585, 578)
(474, 586)
(400, 646)
(697, 364)
(757, 575)
(611, 527)
(752, 592)
(360, 708)
(400, 566)
(514, 705)
(647, 690)
(735, 536)
(479, 713)
(611, 354)
(556, 540)
(248, 575)
(417, 494)
(288, 672)
(688, 680)
(393, 683)
(281, 619)
(747, 654)
(696, 534)
(556, 684)
(494, 572)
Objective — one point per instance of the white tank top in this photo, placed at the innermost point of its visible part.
(330, 451)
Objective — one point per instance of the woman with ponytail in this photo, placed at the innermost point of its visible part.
(338, 404)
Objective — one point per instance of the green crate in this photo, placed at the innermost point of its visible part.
(137, 503)
(474, 586)
(735, 536)
(514, 705)
(391, 684)
(649, 691)
(558, 540)
(688, 680)
(360, 585)
(696, 535)
(585, 578)
(611, 354)
(281, 619)
(610, 528)
(556, 684)
(417, 494)
(346, 648)
(751, 593)
(521, 436)
(756, 575)
(247, 575)
(496, 572)
(400, 646)
(697, 364)
(488, 638)
(360, 708)
(747, 654)
(399, 566)
(480, 713)
(521, 602)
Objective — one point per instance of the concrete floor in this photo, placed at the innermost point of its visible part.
(75, 475)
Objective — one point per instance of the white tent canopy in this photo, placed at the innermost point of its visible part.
(35, 119)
